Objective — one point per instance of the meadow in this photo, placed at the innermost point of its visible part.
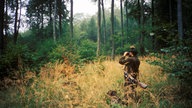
(60, 85)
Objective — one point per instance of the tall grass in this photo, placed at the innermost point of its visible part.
(58, 85)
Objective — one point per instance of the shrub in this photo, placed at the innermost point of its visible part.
(177, 62)
(14, 57)
(87, 50)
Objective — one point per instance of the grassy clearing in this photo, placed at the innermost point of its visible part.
(58, 85)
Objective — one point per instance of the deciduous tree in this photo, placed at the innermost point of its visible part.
(99, 28)
(112, 31)
(122, 27)
(71, 19)
(179, 19)
(104, 21)
(54, 21)
(141, 39)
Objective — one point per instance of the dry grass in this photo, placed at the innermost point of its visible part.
(97, 79)
(59, 86)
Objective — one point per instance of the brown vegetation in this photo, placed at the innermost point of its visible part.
(58, 85)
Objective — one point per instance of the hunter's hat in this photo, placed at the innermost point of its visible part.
(132, 47)
(133, 50)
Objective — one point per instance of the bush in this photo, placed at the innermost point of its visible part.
(178, 63)
(87, 50)
(14, 57)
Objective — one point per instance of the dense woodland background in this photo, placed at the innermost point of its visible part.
(158, 28)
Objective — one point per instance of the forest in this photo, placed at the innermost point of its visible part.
(67, 60)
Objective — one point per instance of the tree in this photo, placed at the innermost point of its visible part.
(59, 3)
(54, 21)
(2, 25)
(18, 6)
(91, 30)
(6, 18)
(152, 17)
(99, 28)
(126, 13)
(46, 11)
(36, 12)
(179, 19)
(16, 21)
(141, 40)
(104, 22)
(170, 11)
(71, 20)
(112, 30)
(50, 16)
(122, 27)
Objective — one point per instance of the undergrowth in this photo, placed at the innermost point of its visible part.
(58, 85)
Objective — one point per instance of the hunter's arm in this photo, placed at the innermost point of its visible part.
(123, 60)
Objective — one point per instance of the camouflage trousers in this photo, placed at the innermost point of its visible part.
(129, 87)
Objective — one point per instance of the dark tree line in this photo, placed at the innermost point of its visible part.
(167, 13)
(52, 11)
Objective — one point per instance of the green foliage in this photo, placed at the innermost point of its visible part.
(87, 50)
(177, 62)
(121, 50)
(67, 51)
(57, 53)
(164, 104)
(92, 30)
(10, 54)
(39, 11)
(115, 106)
(40, 55)
(14, 57)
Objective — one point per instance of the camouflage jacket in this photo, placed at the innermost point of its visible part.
(131, 64)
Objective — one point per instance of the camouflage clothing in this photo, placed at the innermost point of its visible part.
(131, 64)
(131, 68)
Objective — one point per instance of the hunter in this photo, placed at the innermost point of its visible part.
(131, 69)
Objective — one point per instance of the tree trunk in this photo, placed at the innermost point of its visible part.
(141, 40)
(112, 30)
(99, 28)
(179, 19)
(71, 20)
(42, 17)
(16, 21)
(122, 27)
(60, 17)
(104, 22)
(152, 11)
(6, 19)
(2, 25)
(127, 21)
(153, 23)
(50, 17)
(19, 19)
(54, 21)
(170, 12)
(139, 12)
(50, 11)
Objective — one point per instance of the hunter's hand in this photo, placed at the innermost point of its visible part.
(125, 53)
